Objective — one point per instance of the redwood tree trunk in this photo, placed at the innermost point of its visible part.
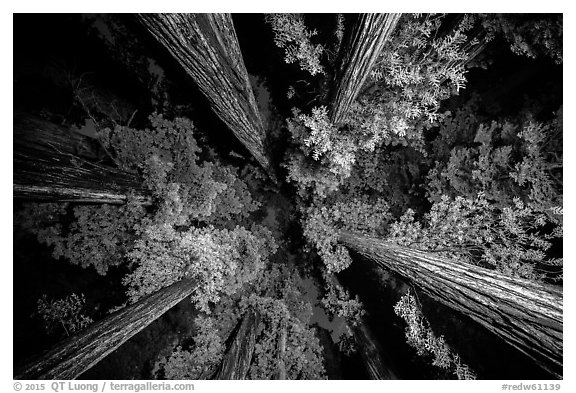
(358, 53)
(207, 48)
(46, 167)
(237, 360)
(526, 314)
(78, 353)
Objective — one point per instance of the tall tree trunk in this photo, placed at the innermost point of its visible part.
(237, 360)
(525, 314)
(46, 167)
(282, 352)
(78, 353)
(358, 53)
(207, 48)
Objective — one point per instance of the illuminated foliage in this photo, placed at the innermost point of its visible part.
(185, 191)
(418, 69)
(202, 361)
(323, 221)
(338, 303)
(420, 336)
(220, 260)
(501, 159)
(98, 235)
(64, 313)
(186, 188)
(287, 310)
(290, 34)
(476, 231)
(399, 166)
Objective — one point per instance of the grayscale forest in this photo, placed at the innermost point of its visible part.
(288, 196)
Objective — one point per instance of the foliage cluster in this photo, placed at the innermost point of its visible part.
(185, 191)
(501, 159)
(495, 190)
(338, 302)
(516, 168)
(395, 175)
(291, 34)
(197, 228)
(186, 188)
(420, 336)
(495, 187)
(202, 361)
(96, 235)
(476, 231)
(419, 67)
(324, 157)
(65, 313)
(285, 311)
(220, 260)
(276, 297)
(323, 221)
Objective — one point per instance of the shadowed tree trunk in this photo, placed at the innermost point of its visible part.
(370, 352)
(358, 53)
(526, 314)
(207, 48)
(46, 167)
(78, 353)
(237, 360)
(281, 352)
(368, 347)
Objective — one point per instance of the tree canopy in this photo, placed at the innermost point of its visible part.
(237, 151)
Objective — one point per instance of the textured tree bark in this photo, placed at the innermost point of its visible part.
(237, 360)
(527, 315)
(46, 167)
(358, 53)
(78, 353)
(207, 48)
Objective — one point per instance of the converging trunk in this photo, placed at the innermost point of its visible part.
(207, 48)
(358, 53)
(237, 360)
(370, 352)
(76, 354)
(526, 314)
(46, 167)
(282, 352)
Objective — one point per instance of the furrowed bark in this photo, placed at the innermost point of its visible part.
(206, 46)
(237, 360)
(46, 167)
(78, 353)
(358, 53)
(526, 314)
